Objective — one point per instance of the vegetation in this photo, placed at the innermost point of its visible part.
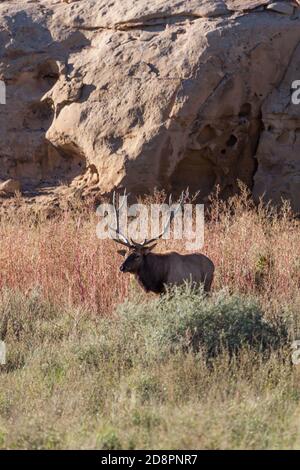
(92, 362)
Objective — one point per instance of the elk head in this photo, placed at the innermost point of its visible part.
(138, 251)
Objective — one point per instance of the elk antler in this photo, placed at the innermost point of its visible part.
(180, 203)
(120, 237)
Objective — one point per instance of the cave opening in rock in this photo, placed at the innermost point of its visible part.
(47, 73)
(196, 172)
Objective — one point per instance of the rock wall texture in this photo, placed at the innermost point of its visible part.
(108, 94)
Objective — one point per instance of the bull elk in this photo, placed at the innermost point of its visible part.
(155, 272)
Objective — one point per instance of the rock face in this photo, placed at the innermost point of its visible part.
(166, 94)
(9, 187)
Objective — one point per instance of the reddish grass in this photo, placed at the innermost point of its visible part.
(255, 250)
(65, 259)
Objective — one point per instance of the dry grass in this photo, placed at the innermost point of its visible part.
(255, 251)
(65, 259)
(85, 370)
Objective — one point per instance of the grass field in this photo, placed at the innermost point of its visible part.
(92, 362)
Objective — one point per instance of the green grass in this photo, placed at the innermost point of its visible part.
(183, 371)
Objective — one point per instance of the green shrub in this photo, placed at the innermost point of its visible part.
(187, 318)
(142, 379)
(108, 441)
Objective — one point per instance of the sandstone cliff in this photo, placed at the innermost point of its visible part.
(168, 93)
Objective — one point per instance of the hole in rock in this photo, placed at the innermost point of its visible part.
(231, 141)
(245, 110)
(194, 171)
(48, 72)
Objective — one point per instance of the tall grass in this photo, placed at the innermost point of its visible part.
(64, 258)
(92, 362)
(254, 250)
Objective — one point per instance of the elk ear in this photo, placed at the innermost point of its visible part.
(122, 252)
(149, 248)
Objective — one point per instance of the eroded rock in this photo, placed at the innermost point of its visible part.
(281, 7)
(167, 94)
(10, 187)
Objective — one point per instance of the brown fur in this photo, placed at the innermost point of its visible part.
(156, 271)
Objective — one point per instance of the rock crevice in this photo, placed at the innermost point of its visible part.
(166, 94)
